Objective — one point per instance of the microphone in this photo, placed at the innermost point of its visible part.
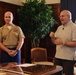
(62, 28)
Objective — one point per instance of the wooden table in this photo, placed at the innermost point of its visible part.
(38, 69)
(43, 68)
(10, 69)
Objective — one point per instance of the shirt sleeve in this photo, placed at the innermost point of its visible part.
(21, 34)
(0, 34)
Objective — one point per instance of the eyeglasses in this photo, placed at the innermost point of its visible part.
(62, 16)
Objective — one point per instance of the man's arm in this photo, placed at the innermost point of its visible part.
(70, 43)
(58, 41)
(53, 38)
(21, 41)
(4, 48)
(14, 52)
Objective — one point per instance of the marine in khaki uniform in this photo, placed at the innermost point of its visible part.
(11, 40)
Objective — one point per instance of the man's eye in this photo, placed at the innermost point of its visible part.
(7, 17)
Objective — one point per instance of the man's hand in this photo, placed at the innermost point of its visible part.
(12, 52)
(51, 34)
(58, 41)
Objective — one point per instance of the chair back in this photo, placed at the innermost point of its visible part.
(38, 54)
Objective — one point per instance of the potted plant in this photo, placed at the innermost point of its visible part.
(36, 19)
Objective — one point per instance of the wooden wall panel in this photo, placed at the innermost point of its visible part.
(8, 7)
(1, 16)
(56, 10)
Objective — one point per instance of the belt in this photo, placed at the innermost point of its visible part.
(9, 46)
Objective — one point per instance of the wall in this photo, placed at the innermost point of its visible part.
(18, 2)
(71, 6)
(4, 6)
(52, 1)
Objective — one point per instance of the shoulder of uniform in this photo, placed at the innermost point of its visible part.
(16, 26)
(1, 27)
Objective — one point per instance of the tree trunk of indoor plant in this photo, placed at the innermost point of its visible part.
(35, 43)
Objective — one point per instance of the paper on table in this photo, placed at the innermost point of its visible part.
(2, 73)
(26, 74)
(44, 63)
(26, 65)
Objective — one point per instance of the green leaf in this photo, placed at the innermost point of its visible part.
(36, 18)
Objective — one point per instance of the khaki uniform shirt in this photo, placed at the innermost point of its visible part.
(66, 33)
(10, 37)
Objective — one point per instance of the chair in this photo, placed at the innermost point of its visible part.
(38, 54)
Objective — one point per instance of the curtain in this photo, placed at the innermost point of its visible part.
(71, 6)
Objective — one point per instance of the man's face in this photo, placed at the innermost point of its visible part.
(64, 18)
(8, 17)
